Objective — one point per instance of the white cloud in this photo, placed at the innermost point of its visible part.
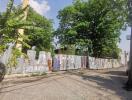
(40, 7)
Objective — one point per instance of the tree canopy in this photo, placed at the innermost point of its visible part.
(37, 30)
(40, 38)
(94, 25)
(10, 22)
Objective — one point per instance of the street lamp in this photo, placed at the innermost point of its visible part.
(129, 82)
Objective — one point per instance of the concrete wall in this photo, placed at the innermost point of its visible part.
(66, 62)
(32, 65)
(60, 62)
(98, 63)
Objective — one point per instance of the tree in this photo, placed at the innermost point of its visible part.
(10, 22)
(95, 23)
(8, 31)
(40, 38)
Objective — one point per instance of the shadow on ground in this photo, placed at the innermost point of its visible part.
(111, 80)
(118, 73)
(18, 84)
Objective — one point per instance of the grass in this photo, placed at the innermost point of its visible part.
(38, 74)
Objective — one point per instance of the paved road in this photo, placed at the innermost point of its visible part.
(72, 85)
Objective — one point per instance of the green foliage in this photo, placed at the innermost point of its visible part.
(94, 25)
(10, 22)
(13, 60)
(39, 74)
(40, 38)
(129, 21)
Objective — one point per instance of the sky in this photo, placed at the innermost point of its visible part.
(50, 8)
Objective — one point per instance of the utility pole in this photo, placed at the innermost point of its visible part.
(21, 31)
(125, 55)
(129, 82)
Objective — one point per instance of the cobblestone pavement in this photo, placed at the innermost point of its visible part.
(70, 85)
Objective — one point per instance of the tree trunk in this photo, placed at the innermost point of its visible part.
(129, 82)
(21, 31)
